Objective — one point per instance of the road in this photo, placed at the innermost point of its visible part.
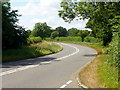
(51, 71)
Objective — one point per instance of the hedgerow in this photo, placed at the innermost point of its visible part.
(78, 39)
(114, 51)
(32, 40)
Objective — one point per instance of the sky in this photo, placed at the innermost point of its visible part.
(34, 11)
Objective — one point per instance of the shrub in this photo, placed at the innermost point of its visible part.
(32, 40)
(113, 51)
(76, 39)
(92, 39)
(47, 39)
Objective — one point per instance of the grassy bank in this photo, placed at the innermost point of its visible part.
(99, 73)
(34, 50)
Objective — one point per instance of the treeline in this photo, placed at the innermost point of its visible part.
(44, 31)
(15, 36)
(103, 20)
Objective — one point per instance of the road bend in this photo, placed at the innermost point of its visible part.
(50, 71)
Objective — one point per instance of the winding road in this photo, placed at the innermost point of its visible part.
(51, 71)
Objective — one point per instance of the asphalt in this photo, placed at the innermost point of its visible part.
(50, 71)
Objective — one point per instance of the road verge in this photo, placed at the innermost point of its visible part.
(32, 51)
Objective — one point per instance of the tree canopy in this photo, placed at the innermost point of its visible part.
(42, 30)
(72, 32)
(83, 34)
(54, 34)
(62, 31)
(100, 16)
(13, 36)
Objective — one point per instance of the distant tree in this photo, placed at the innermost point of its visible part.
(83, 34)
(13, 36)
(54, 34)
(72, 32)
(42, 30)
(62, 31)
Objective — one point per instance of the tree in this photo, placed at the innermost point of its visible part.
(54, 34)
(83, 34)
(62, 31)
(42, 30)
(98, 14)
(72, 32)
(28, 33)
(13, 36)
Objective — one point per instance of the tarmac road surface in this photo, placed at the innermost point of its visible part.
(50, 71)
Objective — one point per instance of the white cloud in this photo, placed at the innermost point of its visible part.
(44, 11)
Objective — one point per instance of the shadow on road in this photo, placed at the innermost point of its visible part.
(90, 55)
(26, 62)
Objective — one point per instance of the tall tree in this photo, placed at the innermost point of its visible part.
(54, 34)
(13, 36)
(42, 30)
(83, 34)
(62, 31)
(98, 14)
(72, 32)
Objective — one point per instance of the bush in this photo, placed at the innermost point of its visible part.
(76, 39)
(47, 39)
(92, 39)
(32, 40)
(113, 51)
(25, 52)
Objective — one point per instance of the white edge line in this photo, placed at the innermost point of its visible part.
(81, 85)
(78, 80)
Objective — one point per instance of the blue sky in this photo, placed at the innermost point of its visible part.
(34, 11)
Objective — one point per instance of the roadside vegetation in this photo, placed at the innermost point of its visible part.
(104, 22)
(31, 51)
(18, 43)
(102, 72)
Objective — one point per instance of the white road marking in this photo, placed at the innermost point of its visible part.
(18, 69)
(77, 50)
(67, 83)
(80, 84)
(32, 66)
(45, 62)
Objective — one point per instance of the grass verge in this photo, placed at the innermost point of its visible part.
(34, 50)
(98, 74)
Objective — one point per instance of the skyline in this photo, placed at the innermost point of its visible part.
(42, 11)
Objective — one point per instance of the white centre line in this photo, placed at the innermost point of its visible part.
(67, 83)
(18, 69)
(32, 66)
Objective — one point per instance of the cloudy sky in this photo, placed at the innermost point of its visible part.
(34, 11)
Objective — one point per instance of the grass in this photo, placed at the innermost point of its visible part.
(98, 74)
(108, 75)
(34, 50)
